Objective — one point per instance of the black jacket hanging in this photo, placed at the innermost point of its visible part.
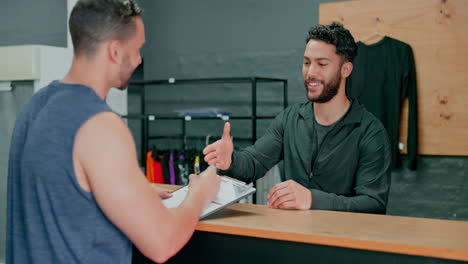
(383, 76)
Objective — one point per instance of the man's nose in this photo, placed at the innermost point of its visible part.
(312, 72)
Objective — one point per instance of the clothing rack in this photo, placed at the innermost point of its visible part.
(146, 118)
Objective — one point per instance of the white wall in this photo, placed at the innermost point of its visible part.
(117, 100)
(54, 64)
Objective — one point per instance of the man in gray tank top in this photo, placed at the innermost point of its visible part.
(76, 193)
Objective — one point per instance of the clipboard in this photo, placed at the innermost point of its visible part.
(230, 191)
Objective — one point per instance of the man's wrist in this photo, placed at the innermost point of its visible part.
(311, 199)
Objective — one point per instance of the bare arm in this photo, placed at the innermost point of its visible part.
(105, 150)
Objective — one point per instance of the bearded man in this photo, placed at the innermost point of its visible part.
(336, 154)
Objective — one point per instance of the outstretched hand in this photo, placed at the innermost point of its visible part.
(220, 152)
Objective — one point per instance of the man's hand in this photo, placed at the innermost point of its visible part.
(220, 152)
(163, 193)
(289, 195)
(207, 183)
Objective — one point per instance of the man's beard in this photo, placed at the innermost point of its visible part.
(125, 73)
(329, 91)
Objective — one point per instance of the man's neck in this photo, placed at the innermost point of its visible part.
(331, 111)
(88, 73)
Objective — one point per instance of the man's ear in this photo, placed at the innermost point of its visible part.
(346, 69)
(114, 50)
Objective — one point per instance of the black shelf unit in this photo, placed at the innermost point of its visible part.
(145, 117)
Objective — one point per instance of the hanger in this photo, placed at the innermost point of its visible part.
(376, 33)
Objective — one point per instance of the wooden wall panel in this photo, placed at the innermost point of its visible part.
(437, 30)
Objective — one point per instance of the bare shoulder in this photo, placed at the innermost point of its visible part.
(104, 134)
(104, 122)
(103, 147)
(102, 129)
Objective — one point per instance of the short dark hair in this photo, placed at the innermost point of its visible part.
(94, 21)
(337, 35)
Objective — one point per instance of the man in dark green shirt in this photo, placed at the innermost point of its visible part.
(336, 154)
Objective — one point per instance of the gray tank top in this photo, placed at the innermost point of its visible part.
(50, 218)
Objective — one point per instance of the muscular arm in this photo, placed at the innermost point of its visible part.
(105, 151)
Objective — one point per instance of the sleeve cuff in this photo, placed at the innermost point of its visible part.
(321, 200)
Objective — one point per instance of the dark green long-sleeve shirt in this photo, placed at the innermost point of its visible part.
(383, 77)
(350, 171)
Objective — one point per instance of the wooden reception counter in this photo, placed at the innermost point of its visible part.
(246, 233)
